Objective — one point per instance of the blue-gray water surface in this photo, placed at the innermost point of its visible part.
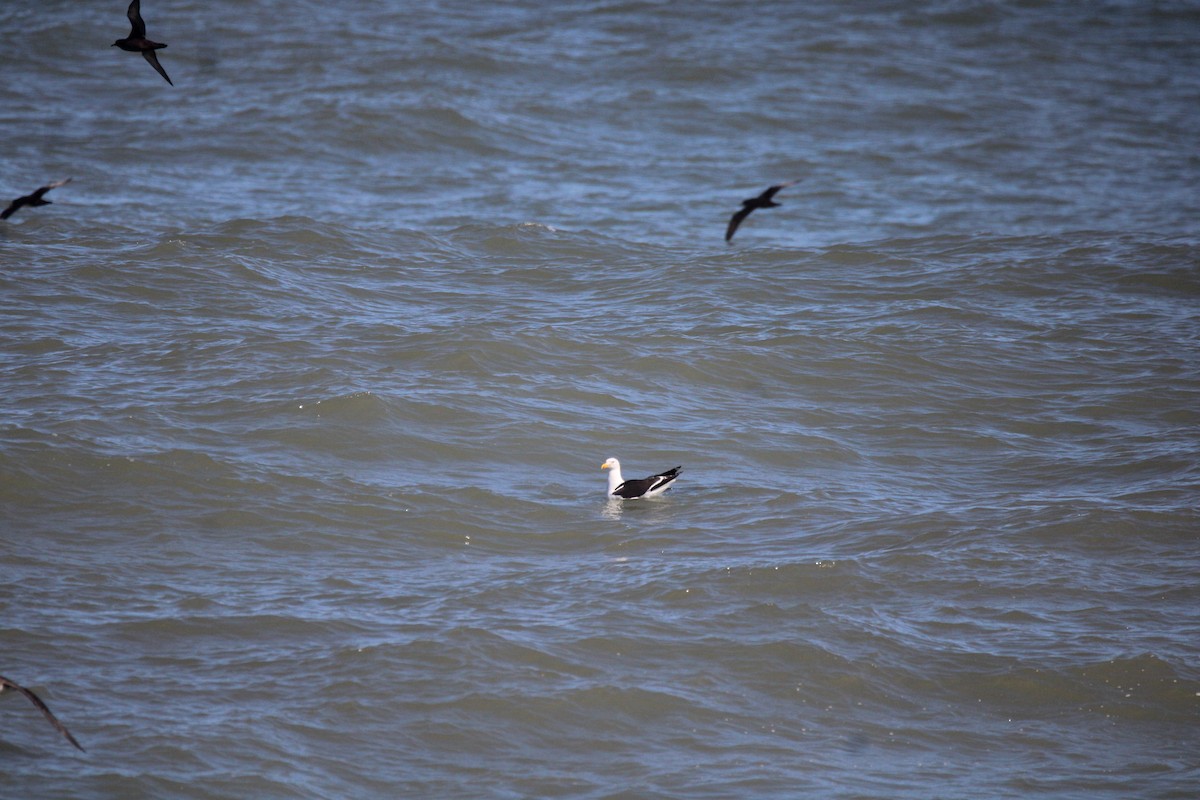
(307, 376)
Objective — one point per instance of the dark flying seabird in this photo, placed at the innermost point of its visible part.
(6, 685)
(34, 199)
(638, 488)
(137, 42)
(762, 201)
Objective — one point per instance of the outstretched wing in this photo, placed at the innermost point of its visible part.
(37, 701)
(153, 59)
(737, 218)
(135, 18)
(42, 190)
(771, 190)
(13, 206)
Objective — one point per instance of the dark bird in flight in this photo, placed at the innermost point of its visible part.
(34, 199)
(7, 685)
(137, 42)
(762, 201)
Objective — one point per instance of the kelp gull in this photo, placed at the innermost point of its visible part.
(638, 488)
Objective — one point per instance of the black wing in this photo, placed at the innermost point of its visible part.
(640, 486)
(37, 701)
(669, 475)
(43, 189)
(770, 191)
(737, 218)
(633, 488)
(135, 18)
(766, 196)
(13, 206)
(153, 59)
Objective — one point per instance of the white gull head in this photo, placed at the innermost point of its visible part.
(614, 474)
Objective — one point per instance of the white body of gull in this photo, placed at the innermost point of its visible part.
(638, 488)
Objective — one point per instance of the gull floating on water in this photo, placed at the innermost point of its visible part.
(762, 201)
(34, 199)
(136, 41)
(7, 685)
(638, 488)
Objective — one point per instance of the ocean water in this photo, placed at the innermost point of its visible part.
(307, 376)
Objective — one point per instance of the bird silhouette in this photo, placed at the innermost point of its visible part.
(136, 41)
(762, 201)
(34, 199)
(7, 685)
